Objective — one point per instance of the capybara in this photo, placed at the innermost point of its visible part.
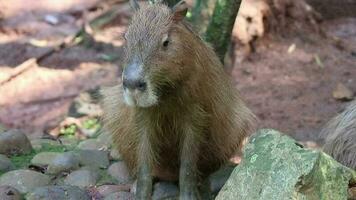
(340, 134)
(176, 114)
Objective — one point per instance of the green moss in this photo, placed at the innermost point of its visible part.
(105, 178)
(23, 161)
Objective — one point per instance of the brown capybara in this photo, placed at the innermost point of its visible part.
(340, 134)
(176, 115)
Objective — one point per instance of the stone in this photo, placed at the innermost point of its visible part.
(24, 180)
(14, 142)
(105, 139)
(44, 158)
(120, 172)
(115, 155)
(69, 142)
(165, 190)
(5, 164)
(64, 192)
(92, 144)
(9, 193)
(275, 166)
(82, 178)
(63, 163)
(106, 190)
(93, 158)
(120, 196)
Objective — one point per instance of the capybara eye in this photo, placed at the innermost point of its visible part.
(165, 43)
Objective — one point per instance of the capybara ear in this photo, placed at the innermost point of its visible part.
(134, 5)
(179, 11)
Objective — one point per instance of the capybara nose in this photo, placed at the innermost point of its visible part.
(133, 77)
(134, 83)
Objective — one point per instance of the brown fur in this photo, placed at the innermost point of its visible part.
(192, 88)
(340, 135)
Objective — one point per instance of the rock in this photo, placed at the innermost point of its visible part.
(24, 180)
(69, 142)
(341, 92)
(115, 155)
(44, 158)
(270, 157)
(120, 172)
(14, 142)
(5, 164)
(105, 139)
(120, 196)
(92, 144)
(58, 193)
(9, 193)
(42, 143)
(63, 163)
(165, 190)
(106, 190)
(94, 158)
(82, 178)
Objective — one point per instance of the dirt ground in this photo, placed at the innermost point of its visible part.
(289, 90)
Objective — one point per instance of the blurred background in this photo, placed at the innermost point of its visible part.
(294, 61)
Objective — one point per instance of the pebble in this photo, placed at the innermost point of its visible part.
(14, 142)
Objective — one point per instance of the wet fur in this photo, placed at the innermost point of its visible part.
(340, 133)
(192, 88)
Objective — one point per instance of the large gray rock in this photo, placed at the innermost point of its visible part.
(63, 163)
(5, 164)
(58, 193)
(120, 172)
(9, 193)
(14, 142)
(93, 158)
(82, 178)
(24, 180)
(44, 158)
(275, 167)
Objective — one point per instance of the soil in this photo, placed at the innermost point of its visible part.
(289, 90)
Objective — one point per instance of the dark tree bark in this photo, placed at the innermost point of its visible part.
(220, 27)
(201, 14)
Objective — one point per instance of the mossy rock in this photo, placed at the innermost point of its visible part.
(275, 167)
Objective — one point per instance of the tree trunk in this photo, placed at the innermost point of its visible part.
(201, 14)
(220, 27)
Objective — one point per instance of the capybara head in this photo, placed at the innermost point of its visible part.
(155, 48)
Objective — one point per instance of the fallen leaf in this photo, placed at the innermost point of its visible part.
(341, 92)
